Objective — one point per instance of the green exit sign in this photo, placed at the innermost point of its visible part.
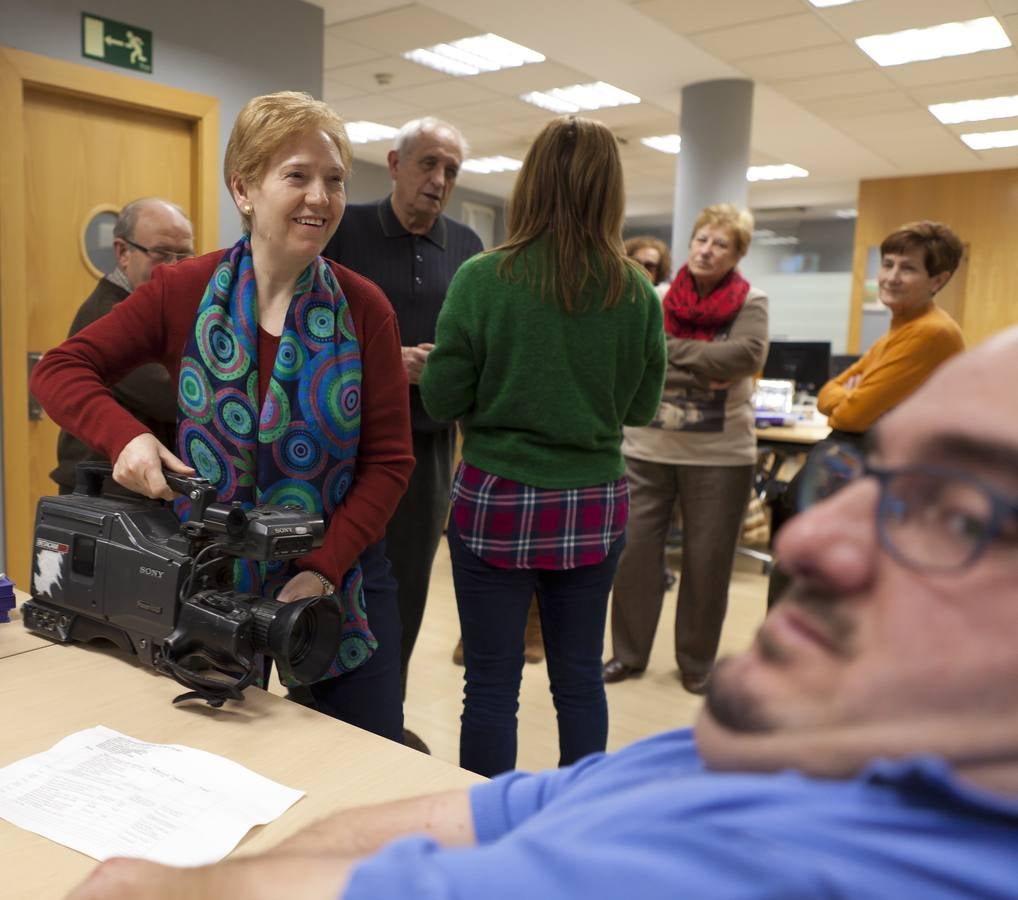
(127, 46)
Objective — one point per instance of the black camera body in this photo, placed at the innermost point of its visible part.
(122, 568)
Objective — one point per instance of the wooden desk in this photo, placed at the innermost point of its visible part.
(13, 637)
(803, 435)
(51, 692)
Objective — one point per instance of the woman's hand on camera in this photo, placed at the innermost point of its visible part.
(139, 467)
(303, 584)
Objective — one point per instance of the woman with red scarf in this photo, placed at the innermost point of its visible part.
(699, 452)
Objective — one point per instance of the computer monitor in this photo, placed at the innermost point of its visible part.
(842, 361)
(807, 363)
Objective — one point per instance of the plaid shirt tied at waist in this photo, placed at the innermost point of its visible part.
(516, 526)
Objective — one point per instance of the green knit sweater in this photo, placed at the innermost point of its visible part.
(542, 394)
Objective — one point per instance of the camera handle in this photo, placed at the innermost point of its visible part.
(199, 491)
(89, 478)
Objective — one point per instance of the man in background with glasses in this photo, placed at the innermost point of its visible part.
(864, 745)
(148, 232)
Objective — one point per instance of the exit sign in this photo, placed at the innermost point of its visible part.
(127, 46)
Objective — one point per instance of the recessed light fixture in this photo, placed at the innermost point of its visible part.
(851, 213)
(824, 3)
(577, 97)
(666, 143)
(473, 55)
(778, 240)
(991, 140)
(775, 173)
(488, 165)
(949, 39)
(366, 132)
(975, 110)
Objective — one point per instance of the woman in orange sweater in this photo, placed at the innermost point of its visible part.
(916, 261)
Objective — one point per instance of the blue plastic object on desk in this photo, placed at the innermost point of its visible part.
(6, 597)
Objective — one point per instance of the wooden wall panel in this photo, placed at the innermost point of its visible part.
(982, 207)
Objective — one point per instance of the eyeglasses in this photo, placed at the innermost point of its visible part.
(160, 256)
(930, 519)
(649, 266)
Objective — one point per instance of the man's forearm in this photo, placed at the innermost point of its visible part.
(357, 832)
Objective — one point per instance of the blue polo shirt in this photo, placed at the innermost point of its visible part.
(414, 271)
(651, 822)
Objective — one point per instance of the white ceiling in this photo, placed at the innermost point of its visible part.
(820, 102)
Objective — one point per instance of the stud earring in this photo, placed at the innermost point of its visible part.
(247, 209)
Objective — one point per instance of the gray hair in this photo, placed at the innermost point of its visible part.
(407, 136)
(128, 218)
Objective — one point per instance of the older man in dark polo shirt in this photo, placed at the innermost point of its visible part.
(405, 245)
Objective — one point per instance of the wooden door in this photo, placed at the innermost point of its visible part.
(81, 150)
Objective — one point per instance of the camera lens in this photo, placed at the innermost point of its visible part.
(301, 637)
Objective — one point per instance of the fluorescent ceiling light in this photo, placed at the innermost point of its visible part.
(486, 165)
(824, 3)
(366, 132)
(778, 240)
(991, 140)
(949, 39)
(975, 110)
(775, 173)
(473, 55)
(847, 213)
(666, 143)
(576, 97)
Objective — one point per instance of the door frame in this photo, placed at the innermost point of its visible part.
(20, 70)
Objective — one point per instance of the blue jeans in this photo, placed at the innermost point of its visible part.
(493, 606)
(369, 696)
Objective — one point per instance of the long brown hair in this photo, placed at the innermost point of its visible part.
(570, 194)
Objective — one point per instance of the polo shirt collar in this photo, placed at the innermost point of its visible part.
(392, 227)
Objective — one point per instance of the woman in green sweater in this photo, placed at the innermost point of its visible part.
(545, 348)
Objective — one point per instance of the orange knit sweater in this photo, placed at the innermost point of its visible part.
(890, 370)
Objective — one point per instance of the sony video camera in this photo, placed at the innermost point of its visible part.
(123, 568)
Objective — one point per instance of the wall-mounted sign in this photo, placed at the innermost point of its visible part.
(127, 46)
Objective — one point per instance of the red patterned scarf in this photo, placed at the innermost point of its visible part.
(688, 315)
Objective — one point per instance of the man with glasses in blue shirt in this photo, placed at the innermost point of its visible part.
(865, 744)
(148, 232)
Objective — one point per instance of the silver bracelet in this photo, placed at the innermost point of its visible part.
(327, 586)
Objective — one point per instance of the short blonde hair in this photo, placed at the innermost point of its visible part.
(266, 123)
(728, 215)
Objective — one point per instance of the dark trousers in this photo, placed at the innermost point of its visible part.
(712, 500)
(369, 696)
(415, 529)
(493, 605)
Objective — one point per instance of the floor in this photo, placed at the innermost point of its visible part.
(637, 707)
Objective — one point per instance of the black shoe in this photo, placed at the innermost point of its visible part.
(616, 670)
(414, 743)
(695, 684)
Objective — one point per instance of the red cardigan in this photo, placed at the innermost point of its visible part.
(153, 324)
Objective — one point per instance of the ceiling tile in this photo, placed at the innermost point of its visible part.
(404, 28)
(829, 60)
(861, 105)
(988, 64)
(496, 111)
(376, 109)
(776, 35)
(691, 16)
(342, 10)
(336, 91)
(429, 97)
(401, 74)
(841, 85)
(977, 89)
(341, 52)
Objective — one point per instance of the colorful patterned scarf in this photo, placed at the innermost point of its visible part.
(688, 315)
(302, 449)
